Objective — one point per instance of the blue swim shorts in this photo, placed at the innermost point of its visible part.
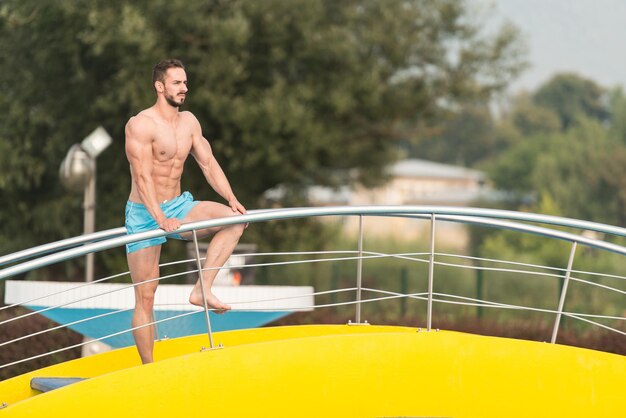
(138, 219)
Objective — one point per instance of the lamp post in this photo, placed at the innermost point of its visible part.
(78, 172)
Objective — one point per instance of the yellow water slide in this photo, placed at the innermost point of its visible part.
(332, 370)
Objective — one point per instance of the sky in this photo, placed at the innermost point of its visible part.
(587, 37)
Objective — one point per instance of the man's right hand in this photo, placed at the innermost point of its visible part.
(170, 224)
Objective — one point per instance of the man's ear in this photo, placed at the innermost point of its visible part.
(159, 86)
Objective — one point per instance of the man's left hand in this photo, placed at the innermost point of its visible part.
(236, 206)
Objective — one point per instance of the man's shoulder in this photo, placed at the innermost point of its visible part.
(140, 127)
(188, 116)
(142, 120)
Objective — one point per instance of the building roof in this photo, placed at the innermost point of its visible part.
(430, 169)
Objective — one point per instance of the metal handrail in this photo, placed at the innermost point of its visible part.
(61, 245)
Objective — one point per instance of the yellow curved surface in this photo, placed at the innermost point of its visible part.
(18, 388)
(350, 371)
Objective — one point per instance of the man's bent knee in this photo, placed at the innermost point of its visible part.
(237, 229)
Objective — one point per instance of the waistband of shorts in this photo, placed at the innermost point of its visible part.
(185, 195)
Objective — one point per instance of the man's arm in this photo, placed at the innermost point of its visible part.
(201, 151)
(139, 133)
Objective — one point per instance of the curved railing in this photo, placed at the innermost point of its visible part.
(523, 223)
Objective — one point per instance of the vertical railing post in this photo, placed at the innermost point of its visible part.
(479, 291)
(431, 270)
(206, 308)
(404, 290)
(359, 271)
(568, 273)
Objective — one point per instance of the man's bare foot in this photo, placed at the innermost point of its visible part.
(212, 302)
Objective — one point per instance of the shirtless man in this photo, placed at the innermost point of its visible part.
(158, 141)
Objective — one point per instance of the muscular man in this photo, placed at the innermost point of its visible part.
(158, 141)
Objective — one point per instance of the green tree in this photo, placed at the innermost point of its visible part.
(576, 171)
(618, 115)
(531, 119)
(466, 138)
(582, 170)
(289, 92)
(571, 97)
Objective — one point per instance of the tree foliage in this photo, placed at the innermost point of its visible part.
(618, 115)
(531, 119)
(575, 167)
(579, 162)
(466, 137)
(288, 92)
(571, 97)
(582, 169)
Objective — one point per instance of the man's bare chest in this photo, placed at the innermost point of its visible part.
(170, 143)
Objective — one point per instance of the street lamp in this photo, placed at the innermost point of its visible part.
(78, 172)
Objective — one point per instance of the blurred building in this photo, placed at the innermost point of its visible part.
(412, 182)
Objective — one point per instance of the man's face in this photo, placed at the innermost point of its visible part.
(175, 86)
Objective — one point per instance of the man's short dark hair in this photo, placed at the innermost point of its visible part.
(159, 70)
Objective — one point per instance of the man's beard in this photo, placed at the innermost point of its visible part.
(170, 100)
